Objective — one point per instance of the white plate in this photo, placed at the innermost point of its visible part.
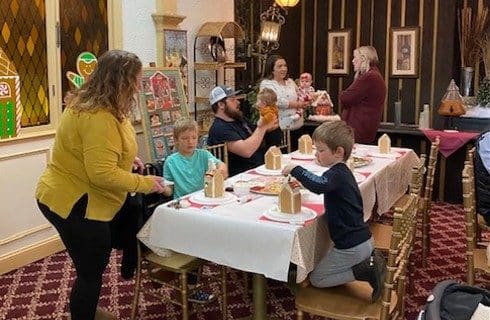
(391, 155)
(302, 156)
(305, 215)
(200, 198)
(359, 177)
(263, 170)
(451, 131)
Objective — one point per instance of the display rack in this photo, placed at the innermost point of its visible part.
(208, 72)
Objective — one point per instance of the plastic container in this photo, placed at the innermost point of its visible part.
(424, 119)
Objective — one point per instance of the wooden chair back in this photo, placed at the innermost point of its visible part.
(417, 177)
(404, 222)
(470, 223)
(476, 258)
(352, 300)
(286, 141)
(426, 199)
(220, 151)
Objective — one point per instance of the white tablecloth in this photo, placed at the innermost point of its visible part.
(238, 236)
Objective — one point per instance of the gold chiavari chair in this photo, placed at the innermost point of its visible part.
(480, 222)
(171, 273)
(353, 300)
(476, 258)
(286, 141)
(426, 200)
(220, 151)
(382, 232)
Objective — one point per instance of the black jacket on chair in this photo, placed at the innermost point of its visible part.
(134, 213)
(482, 183)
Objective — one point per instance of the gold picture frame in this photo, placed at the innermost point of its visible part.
(405, 55)
(338, 52)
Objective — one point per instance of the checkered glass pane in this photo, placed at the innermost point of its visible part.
(23, 38)
(83, 28)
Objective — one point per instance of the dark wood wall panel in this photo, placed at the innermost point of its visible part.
(366, 22)
(372, 29)
(321, 46)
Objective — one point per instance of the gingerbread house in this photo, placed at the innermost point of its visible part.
(322, 103)
(214, 184)
(273, 158)
(290, 198)
(10, 106)
(305, 144)
(384, 144)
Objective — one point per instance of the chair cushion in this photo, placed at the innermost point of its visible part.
(481, 223)
(177, 262)
(382, 235)
(349, 301)
(480, 260)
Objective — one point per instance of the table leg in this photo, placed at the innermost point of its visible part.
(259, 299)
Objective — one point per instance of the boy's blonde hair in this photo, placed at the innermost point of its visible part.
(183, 125)
(335, 134)
(267, 96)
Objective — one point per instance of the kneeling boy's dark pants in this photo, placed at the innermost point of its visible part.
(88, 243)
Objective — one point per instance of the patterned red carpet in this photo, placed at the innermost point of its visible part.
(40, 290)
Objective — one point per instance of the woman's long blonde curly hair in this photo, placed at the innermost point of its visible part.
(111, 86)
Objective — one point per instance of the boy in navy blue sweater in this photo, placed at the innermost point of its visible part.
(353, 256)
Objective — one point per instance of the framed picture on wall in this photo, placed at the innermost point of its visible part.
(175, 53)
(404, 52)
(338, 52)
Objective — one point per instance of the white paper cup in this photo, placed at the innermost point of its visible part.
(241, 187)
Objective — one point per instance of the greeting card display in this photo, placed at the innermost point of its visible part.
(162, 102)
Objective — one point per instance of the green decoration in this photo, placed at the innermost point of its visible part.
(1, 121)
(483, 95)
(10, 119)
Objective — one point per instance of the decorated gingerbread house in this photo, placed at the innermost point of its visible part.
(214, 184)
(290, 198)
(322, 103)
(273, 158)
(10, 106)
(384, 144)
(305, 144)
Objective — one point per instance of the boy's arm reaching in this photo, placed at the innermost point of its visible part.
(312, 182)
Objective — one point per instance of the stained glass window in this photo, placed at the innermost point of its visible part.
(23, 38)
(83, 27)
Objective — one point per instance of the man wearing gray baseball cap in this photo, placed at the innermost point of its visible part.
(243, 140)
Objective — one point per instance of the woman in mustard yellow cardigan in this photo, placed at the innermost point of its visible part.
(89, 174)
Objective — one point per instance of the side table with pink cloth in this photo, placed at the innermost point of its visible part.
(450, 142)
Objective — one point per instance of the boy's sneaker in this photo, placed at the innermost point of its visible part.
(201, 297)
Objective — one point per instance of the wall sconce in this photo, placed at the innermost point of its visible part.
(287, 3)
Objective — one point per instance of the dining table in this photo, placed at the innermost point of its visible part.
(246, 233)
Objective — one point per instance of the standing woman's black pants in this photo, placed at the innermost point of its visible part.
(88, 243)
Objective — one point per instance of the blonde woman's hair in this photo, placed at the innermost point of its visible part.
(335, 134)
(369, 57)
(111, 86)
(268, 96)
(184, 124)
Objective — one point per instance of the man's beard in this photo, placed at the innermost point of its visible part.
(232, 113)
